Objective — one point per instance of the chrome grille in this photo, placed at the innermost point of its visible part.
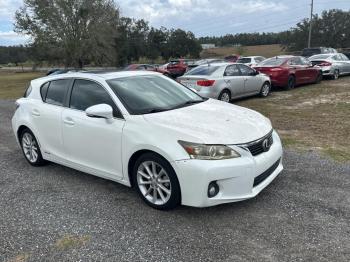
(257, 147)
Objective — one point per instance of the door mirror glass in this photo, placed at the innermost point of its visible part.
(253, 73)
(100, 111)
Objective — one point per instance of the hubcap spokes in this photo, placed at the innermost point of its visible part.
(266, 90)
(154, 182)
(30, 147)
(225, 97)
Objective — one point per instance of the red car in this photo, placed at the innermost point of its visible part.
(178, 67)
(148, 68)
(232, 58)
(289, 71)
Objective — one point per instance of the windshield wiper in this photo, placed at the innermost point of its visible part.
(188, 103)
(155, 110)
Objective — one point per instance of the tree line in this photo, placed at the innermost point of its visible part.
(76, 33)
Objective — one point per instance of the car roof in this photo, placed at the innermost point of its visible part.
(102, 75)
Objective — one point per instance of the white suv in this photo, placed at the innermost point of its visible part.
(145, 130)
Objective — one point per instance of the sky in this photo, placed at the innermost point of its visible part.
(202, 17)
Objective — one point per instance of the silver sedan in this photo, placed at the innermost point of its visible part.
(225, 81)
(332, 65)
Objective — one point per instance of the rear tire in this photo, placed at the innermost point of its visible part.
(225, 96)
(30, 148)
(156, 182)
(265, 89)
(291, 82)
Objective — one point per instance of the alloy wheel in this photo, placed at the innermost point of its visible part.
(154, 182)
(30, 147)
(265, 90)
(225, 97)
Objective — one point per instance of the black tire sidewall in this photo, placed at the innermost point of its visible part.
(289, 79)
(40, 161)
(175, 198)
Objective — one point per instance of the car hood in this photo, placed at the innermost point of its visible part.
(213, 122)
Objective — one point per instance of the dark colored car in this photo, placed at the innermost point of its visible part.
(289, 71)
(148, 67)
(232, 58)
(307, 52)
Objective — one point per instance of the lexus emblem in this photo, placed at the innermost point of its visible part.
(266, 145)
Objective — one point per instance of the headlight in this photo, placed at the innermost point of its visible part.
(208, 152)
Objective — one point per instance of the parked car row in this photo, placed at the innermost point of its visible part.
(256, 75)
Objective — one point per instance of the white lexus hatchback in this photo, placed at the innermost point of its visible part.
(145, 130)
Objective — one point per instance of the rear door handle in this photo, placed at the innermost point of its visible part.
(69, 121)
(35, 112)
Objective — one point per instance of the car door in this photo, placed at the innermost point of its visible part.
(298, 68)
(90, 142)
(252, 83)
(346, 62)
(310, 72)
(46, 117)
(234, 80)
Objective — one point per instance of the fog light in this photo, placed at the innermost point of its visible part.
(213, 189)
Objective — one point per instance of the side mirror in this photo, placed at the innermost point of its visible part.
(100, 111)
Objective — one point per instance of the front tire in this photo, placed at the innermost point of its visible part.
(225, 96)
(156, 182)
(265, 89)
(335, 76)
(318, 78)
(30, 148)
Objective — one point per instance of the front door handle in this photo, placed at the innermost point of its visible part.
(68, 121)
(35, 112)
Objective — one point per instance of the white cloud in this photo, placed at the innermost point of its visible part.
(12, 38)
(160, 12)
(8, 8)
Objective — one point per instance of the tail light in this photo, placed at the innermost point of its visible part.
(205, 82)
(325, 64)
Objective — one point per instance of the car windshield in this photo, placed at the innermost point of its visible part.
(275, 61)
(205, 70)
(151, 94)
(244, 60)
(319, 57)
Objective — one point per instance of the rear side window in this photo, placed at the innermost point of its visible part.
(28, 91)
(56, 92)
(43, 90)
(244, 60)
(86, 93)
(232, 70)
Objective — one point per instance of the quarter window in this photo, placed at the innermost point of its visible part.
(56, 92)
(43, 90)
(87, 93)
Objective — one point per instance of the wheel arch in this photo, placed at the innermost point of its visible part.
(133, 158)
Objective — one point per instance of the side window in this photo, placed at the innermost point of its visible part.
(246, 70)
(344, 57)
(295, 61)
(28, 91)
(56, 92)
(305, 61)
(43, 90)
(87, 93)
(232, 70)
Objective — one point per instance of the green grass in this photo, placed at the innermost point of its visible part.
(13, 85)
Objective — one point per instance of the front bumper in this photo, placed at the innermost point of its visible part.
(235, 177)
(327, 71)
